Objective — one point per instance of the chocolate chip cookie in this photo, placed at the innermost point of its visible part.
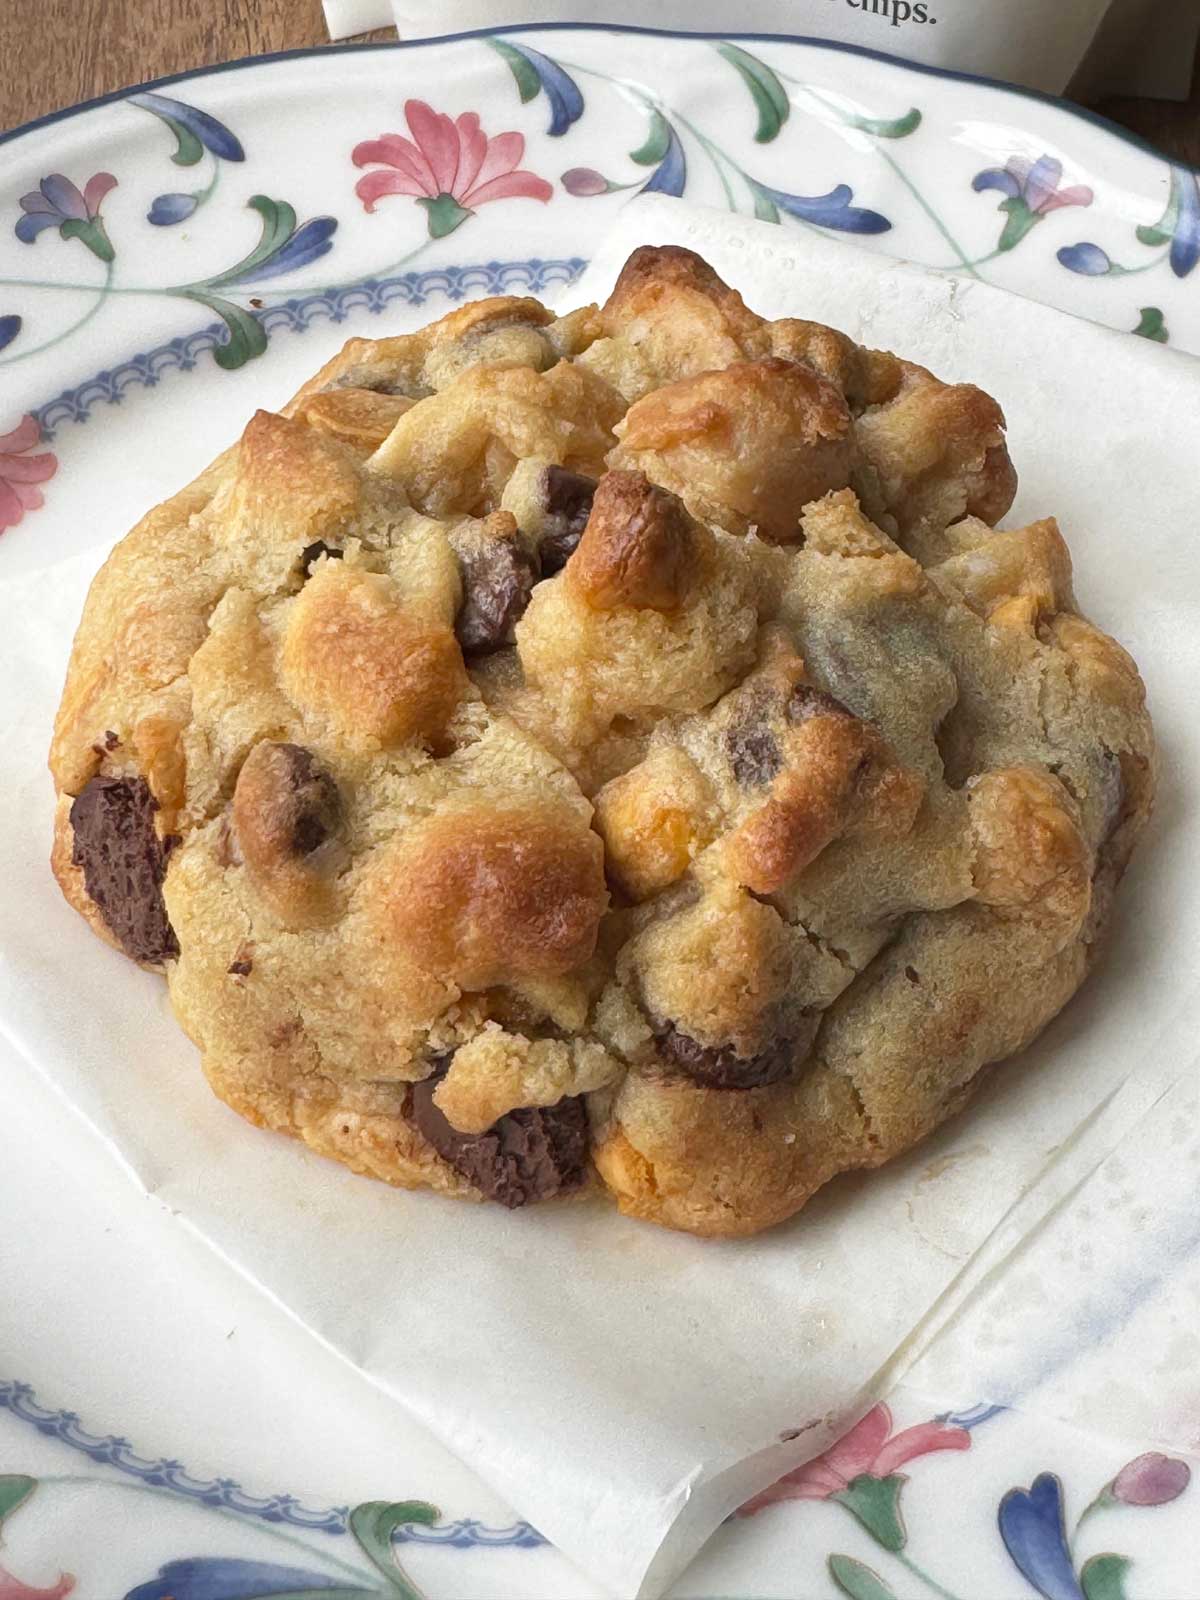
(616, 752)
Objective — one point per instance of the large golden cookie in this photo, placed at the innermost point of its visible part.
(611, 751)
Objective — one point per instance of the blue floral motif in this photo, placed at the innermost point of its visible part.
(670, 176)
(1033, 1527)
(300, 247)
(1032, 189)
(832, 210)
(533, 72)
(217, 1578)
(1185, 242)
(1037, 183)
(198, 128)
(1085, 258)
(1178, 227)
(10, 327)
(282, 248)
(59, 203)
(167, 209)
(195, 131)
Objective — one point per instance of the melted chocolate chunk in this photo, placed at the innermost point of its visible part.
(723, 1068)
(124, 863)
(805, 702)
(313, 804)
(497, 583)
(567, 497)
(531, 1154)
(318, 548)
(753, 753)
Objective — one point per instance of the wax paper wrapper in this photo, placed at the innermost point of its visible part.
(626, 1387)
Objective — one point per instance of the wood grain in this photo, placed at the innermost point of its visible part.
(54, 53)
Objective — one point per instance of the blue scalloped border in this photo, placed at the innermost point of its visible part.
(111, 1450)
(372, 295)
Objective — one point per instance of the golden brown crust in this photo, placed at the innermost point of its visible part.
(861, 779)
(358, 417)
(746, 447)
(354, 655)
(487, 896)
(654, 820)
(637, 549)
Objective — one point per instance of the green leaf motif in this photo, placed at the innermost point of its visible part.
(373, 1524)
(1163, 231)
(188, 148)
(445, 214)
(246, 336)
(1103, 1577)
(15, 1487)
(859, 1582)
(1152, 325)
(766, 91)
(90, 233)
(1019, 221)
(876, 1504)
(335, 1592)
(657, 142)
(887, 127)
(278, 225)
(765, 208)
(528, 83)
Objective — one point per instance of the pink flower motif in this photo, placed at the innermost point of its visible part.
(1036, 183)
(449, 166)
(1151, 1480)
(866, 1451)
(20, 474)
(13, 1589)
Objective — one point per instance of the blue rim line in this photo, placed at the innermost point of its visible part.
(1081, 113)
(145, 368)
(111, 1450)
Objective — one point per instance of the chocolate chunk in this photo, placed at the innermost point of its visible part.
(240, 969)
(497, 583)
(318, 548)
(567, 497)
(530, 1154)
(309, 797)
(124, 863)
(723, 1068)
(753, 753)
(805, 701)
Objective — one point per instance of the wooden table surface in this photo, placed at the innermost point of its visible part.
(54, 53)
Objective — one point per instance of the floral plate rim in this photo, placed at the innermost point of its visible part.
(860, 1471)
(1081, 113)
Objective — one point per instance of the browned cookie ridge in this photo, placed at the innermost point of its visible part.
(612, 753)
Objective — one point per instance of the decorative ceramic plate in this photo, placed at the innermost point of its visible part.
(160, 252)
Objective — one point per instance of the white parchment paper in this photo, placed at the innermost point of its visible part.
(625, 1387)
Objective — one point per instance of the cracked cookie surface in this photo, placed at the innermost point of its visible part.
(616, 752)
